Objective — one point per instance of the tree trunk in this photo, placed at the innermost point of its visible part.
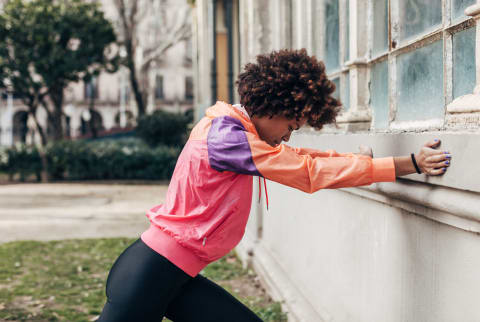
(137, 91)
(41, 151)
(56, 96)
(43, 157)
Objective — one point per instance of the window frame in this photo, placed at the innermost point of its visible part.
(396, 47)
(356, 71)
(317, 42)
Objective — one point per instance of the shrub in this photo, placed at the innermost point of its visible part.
(94, 160)
(21, 159)
(164, 128)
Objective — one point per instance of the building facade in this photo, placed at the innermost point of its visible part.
(170, 79)
(406, 72)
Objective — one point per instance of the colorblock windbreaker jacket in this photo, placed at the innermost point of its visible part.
(209, 197)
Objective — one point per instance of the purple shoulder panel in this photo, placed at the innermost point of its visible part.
(228, 148)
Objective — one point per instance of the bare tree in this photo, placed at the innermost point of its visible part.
(146, 30)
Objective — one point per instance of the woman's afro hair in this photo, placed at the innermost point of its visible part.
(289, 83)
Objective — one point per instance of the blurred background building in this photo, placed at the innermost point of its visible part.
(109, 99)
(406, 72)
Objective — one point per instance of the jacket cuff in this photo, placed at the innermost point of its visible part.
(383, 170)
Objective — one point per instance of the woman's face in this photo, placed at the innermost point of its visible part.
(276, 129)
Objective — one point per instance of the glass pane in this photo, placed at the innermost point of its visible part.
(332, 44)
(419, 16)
(318, 30)
(336, 94)
(347, 36)
(463, 62)
(459, 6)
(380, 27)
(420, 84)
(346, 92)
(379, 94)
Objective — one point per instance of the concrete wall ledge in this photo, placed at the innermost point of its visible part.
(454, 207)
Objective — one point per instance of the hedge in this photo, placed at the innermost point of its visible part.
(164, 128)
(93, 160)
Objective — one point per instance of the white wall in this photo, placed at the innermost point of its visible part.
(381, 254)
(403, 251)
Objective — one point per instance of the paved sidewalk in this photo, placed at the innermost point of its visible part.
(75, 210)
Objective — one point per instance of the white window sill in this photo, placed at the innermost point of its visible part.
(465, 104)
(354, 116)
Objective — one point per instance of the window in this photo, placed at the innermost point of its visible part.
(159, 87)
(20, 128)
(396, 64)
(345, 94)
(332, 44)
(458, 8)
(188, 50)
(188, 88)
(337, 92)
(91, 89)
(417, 17)
(68, 128)
(379, 94)
(410, 75)
(123, 87)
(331, 37)
(420, 83)
(463, 62)
(4, 95)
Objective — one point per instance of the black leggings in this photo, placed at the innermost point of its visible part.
(145, 286)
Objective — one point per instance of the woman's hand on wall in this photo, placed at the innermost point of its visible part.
(432, 161)
(365, 150)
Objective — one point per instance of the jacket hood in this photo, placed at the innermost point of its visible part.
(225, 109)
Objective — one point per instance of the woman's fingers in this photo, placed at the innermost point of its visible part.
(440, 164)
(433, 144)
(436, 172)
(433, 162)
(437, 163)
(438, 157)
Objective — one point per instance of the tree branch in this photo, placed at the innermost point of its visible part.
(155, 52)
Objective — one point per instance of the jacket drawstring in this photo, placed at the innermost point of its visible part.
(259, 199)
(260, 190)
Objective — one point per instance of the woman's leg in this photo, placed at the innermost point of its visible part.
(140, 285)
(202, 300)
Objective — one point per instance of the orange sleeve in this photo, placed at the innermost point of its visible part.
(314, 171)
(318, 153)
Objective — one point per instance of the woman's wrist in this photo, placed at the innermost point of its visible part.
(429, 161)
(414, 162)
(403, 166)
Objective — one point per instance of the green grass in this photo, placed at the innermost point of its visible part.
(65, 280)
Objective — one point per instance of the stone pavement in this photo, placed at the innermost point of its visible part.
(75, 210)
